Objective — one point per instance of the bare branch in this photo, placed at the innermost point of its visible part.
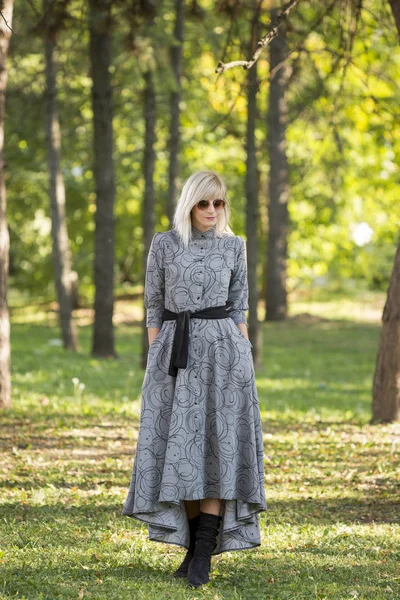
(263, 43)
(5, 21)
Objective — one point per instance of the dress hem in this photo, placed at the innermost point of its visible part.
(216, 554)
(180, 500)
(160, 541)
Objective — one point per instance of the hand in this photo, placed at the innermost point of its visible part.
(152, 333)
(243, 329)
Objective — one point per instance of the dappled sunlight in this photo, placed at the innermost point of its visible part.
(67, 448)
(346, 309)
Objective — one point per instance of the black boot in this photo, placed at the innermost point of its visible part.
(182, 570)
(206, 541)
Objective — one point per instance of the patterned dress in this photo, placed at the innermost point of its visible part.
(200, 432)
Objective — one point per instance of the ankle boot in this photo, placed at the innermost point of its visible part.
(206, 541)
(183, 568)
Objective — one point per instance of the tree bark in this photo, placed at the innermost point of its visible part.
(386, 387)
(276, 295)
(174, 138)
(386, 384)
(149, 158)
(100, 61)
(5, 352)
(395, 6)
(61, 247)
(252, 190)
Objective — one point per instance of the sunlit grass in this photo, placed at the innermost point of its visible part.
(332, 529)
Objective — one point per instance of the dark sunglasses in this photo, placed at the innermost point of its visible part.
(218, 205)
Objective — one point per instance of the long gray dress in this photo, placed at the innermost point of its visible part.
(200, 432)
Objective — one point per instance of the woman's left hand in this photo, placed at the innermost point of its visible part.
(243, 329)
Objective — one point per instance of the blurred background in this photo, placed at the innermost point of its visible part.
(335, 123)
(109, 106)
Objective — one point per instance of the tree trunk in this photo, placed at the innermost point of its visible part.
(386, 388)
(5, 353)
(100, 60)
(386, 385)
(252, 189)
(149, 103)
(395, 6)
(174, 139)
(276, 295)
(61, 247)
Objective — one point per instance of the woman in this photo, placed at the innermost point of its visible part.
(198, 473)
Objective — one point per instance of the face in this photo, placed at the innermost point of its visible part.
(204, 219)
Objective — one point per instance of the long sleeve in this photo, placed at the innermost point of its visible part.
(154, 284)
(238, 295)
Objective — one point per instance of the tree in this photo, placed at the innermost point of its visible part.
(395, 6)
(276, 293)
(149, 160)
(5, 354)
(252, 186)
(176, 95)
(100, 61)
(386, 386)
(61, 247)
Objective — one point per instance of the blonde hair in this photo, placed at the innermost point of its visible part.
(203, 185)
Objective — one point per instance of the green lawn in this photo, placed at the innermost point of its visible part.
(332, 529)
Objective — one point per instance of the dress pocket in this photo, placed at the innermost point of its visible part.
(244, 338)
(155, 342)
(239, 334)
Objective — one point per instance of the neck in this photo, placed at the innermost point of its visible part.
(207, 233)
(203, 227)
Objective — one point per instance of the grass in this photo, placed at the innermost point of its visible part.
(332, 529)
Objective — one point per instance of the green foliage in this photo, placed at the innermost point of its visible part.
(343, 136)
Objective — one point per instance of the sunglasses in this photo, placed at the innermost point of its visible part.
(218, 205)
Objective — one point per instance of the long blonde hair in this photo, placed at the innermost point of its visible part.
(203, 185)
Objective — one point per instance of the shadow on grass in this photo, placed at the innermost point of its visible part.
(290, 574)
(310, 511)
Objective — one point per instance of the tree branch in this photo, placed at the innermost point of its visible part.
(263, 43)
(5, 21)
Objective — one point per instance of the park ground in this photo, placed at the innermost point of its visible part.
(332, 528)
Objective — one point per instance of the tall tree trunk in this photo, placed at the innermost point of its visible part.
(386, 389)
(149, 103)
(276, 295)
(174, 139)
(61, 247)
(5, 353)
(395, 6)
(252, 188)
(100, 60)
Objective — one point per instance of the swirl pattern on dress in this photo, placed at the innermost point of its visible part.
(200, 433)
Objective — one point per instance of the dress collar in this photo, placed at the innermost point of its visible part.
(198, 234)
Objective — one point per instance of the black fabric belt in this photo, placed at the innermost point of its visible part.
(180, 346)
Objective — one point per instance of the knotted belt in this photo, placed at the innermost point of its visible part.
(180, 346)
